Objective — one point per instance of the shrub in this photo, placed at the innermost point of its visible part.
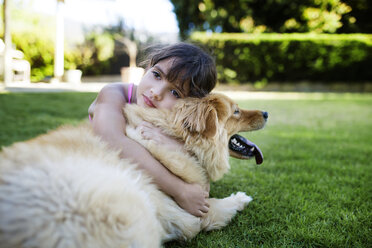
(290, 57)
(39, 51)
(93, 56)
(34, 35)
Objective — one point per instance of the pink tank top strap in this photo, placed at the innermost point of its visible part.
(130, 91)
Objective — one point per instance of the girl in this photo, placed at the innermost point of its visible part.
(172, 72)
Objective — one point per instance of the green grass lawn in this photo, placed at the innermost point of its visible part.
(314, 188)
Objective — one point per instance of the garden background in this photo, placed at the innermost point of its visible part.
(308, 63)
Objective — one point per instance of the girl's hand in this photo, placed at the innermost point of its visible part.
(193, 199)
(150, 132)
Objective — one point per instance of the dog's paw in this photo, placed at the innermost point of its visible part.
(241, 200)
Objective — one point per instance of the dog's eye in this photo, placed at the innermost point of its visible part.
(236, 112)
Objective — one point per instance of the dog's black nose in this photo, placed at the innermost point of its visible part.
(265, 115)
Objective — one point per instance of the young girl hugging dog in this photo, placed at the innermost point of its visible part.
(172, 72)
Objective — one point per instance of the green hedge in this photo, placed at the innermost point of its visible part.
(290, 57)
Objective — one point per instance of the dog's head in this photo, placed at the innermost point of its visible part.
(207, 125)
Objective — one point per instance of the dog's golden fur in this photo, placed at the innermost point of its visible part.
(68, 189)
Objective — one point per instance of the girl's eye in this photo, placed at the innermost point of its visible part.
(156, 74)
(175, 93)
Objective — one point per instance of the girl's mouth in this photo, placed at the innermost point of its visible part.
(148, 102)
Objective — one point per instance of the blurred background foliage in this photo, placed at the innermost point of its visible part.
(273, 16)
(267, 57)
(99, 53)
(253, 40)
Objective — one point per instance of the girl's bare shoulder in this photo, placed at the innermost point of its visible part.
(117, 92)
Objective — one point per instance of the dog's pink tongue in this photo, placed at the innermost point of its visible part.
(243, 148)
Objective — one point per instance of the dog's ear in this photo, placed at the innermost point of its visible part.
(221, 105)
(211, 123)
(197, 116)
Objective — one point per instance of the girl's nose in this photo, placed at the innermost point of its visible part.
(156, 93)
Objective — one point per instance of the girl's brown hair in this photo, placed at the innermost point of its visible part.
(191, 66)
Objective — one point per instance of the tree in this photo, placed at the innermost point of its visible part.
(359, 19)
(322, 16)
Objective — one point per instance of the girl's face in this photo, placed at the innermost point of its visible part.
(155, 91)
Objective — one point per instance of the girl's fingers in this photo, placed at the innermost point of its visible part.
(145, 132)
(204, 209)
(147, 124)
(146, 135)
(201, 214)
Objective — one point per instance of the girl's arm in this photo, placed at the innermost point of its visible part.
(151, 132)
(109, 123)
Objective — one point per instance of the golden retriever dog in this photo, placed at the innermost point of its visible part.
(67, 188)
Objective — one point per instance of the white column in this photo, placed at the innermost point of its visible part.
(59, 44)
(8, 44)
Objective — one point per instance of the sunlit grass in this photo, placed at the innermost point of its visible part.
(313, 190)
(25, 115)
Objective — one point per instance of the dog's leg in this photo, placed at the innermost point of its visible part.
(175, 221)
(221, 211)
